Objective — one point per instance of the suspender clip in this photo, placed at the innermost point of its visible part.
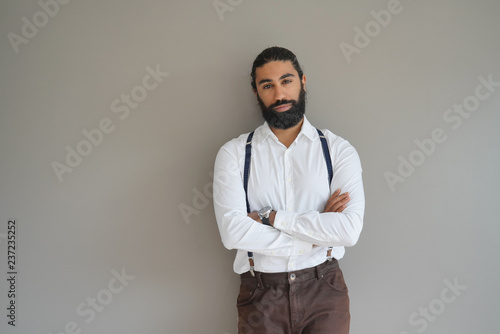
(329, 254)
(252, 264)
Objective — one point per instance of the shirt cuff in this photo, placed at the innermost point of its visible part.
(285, 221)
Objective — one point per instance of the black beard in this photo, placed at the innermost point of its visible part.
(285, 119)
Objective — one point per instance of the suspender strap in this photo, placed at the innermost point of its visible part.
(328, 160)
(246, 172)
(326, 153)
(248, 157)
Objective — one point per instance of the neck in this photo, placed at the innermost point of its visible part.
(287, 136)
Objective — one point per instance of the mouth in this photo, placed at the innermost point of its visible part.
(283, 107)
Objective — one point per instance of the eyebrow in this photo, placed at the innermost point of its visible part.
(281, 78)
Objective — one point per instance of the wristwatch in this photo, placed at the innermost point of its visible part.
(264, 215)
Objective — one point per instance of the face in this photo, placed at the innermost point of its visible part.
(280, 93)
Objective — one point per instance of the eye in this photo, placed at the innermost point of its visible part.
(266, 86)
(287, 81)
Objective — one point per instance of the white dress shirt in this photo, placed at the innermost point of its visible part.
(294, 182)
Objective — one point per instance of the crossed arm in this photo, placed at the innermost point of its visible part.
(336, 203)
(339, 224)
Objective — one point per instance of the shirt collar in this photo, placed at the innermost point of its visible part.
(263, 132)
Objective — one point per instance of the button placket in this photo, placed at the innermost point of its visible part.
(289, 193)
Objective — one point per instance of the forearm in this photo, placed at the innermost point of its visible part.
(328, 228)
(322, 229)
(239, 231)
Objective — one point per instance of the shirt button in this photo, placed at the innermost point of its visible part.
(292, 277)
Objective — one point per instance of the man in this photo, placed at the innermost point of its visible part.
(289, 198)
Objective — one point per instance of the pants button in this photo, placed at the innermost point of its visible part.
(293, 277)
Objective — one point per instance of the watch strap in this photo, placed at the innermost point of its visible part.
(265, 221)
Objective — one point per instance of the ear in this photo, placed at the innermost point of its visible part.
(304, 81)
(254, 91)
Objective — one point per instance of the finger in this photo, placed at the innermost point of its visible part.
(336, 202)
(332, 200)
(341, 208)
(342, 200)
(341, 203)
(335, 194)
(331, 204)
(255, 216)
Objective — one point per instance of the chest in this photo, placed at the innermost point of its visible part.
(283, 178)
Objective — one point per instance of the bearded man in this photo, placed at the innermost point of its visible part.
(289, 198)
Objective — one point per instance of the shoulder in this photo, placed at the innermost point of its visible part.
(335, 140)
(234, 149)
(339, 147)
(236, 144)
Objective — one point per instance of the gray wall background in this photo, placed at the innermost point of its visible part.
(120, 209)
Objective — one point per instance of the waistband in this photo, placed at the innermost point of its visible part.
(292, 276)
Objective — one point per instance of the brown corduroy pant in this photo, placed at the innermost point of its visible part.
(313, 300)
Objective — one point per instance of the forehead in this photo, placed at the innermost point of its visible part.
(274, 70)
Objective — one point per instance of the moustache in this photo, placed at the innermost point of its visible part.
(281, 102)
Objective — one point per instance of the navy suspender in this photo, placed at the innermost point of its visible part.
(328, 160)
(248, 157)
(246, 173)
(326, 153)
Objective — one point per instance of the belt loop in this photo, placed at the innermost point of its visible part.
(258, 275)
(319, 275)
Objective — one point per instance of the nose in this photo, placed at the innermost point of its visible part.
(279, 93)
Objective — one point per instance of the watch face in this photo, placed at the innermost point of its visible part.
(265, 211)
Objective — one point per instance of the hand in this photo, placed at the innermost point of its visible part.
(337, 202)
(255, 216)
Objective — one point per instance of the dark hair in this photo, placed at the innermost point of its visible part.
(274, 53)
